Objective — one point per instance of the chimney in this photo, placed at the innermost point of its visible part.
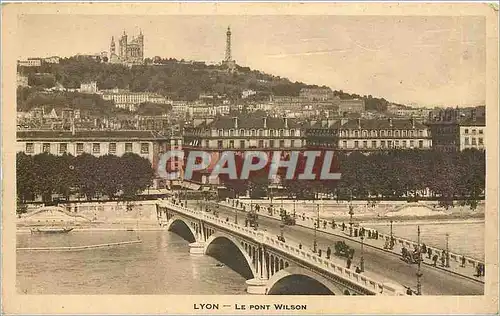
(412, 122)
(235, 119)
(265, 122)
(359, 122)
(286, 122)
(390, 122)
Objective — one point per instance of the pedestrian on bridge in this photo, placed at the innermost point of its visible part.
(328, 252)
(429, 252)
(478, 270)
(319, 252)
(324, 224)
(349, 263)
(463, 262)
(434, 260)
(300, 246)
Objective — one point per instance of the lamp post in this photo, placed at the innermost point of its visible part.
(419, 273)
(447, 250)
(317, 219)
(315, 242)
(250, 196)
(294, 200)
(362, 259)
(351, 213)
(271, 193)
(392, 237)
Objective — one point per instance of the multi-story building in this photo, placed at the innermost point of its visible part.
(130, 100)
(370, 135)
(452, 129)
(21, 80)
(324, 133)
(472, 133)
(146, 144)
(316, 94)
(30, 62)
(232, 133)
(179, 108)
(399, 111)
(88, 87)
(52, 60)
(242, 134)
(351, 105)
(247, 93)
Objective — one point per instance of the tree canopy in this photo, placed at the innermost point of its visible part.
(46, 175)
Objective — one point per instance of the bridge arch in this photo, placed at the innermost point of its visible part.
(177, 220)
(292, 279)
(238, 245)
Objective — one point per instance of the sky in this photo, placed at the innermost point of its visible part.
(425, 61)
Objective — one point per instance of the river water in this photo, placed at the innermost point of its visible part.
(161, 264)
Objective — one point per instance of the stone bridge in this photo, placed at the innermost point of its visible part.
(269, 265)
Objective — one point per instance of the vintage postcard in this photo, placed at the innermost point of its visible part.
(250, 158)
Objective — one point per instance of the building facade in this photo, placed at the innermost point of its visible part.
(316, 94)
(88, 87)
(455, 129)
(30, 62)
(146, 144)
(250, 133)
(351, 106)
(373, 135)
(239, 135)
(130, 100)
(472, 134)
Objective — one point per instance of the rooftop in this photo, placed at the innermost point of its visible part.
(383, 124)
(90, 134)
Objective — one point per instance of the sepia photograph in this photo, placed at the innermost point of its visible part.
(235, 153)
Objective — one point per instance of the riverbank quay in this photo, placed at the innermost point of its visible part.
(452, 264)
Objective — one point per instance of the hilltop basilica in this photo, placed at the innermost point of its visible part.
(128, 52)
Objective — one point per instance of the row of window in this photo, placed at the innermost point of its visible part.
(382, 133)
(96, 148)
(473, 141)
(474, 131)
(261, 144)
(384, 144)
(253, 132)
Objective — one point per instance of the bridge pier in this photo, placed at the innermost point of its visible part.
(256, 286)
(197, 248)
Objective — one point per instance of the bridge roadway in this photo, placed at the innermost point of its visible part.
(434, 281)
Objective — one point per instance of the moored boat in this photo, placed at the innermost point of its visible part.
(51, 230)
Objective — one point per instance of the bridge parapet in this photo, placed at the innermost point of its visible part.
(376, 287)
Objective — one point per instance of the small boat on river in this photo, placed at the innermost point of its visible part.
(51, 230)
